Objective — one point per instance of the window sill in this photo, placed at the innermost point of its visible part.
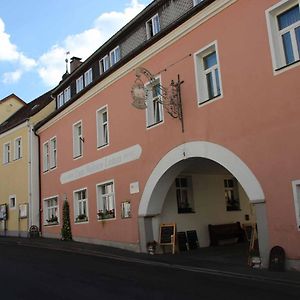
(288, 65)
(210, 99)
(51, 224)
(102, 146)
(154, 124)
(105, 219)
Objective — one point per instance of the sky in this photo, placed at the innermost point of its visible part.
(35, 36)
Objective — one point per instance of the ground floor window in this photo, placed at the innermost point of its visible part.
(51, 211)
(106, 200)
(80, 206)
(231, 194)
(184, 195)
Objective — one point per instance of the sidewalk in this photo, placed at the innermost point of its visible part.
(189, 261)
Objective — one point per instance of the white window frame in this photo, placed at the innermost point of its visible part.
(60, 99)
(153, 26)
(201, 72)
(102, 127)
(78, 205)
(88, 77)
(6, 153)
(154, 110)
(18, 148)
(114, 55)
(47, 209)
(101, 196)
(53, 152)
(79, 84)
(46, 156)
(10, 197)
(77, 140)
(104, 64)
(296, 194)
(67, 94)
(197, 2)
(275, 40)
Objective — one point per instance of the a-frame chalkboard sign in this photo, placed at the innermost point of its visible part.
(167, 235)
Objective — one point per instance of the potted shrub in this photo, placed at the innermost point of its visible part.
(81, 218)
(151, 247)
(52, 220)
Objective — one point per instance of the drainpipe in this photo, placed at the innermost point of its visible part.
(30, 215)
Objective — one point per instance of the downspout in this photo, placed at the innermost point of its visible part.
(30, 216)
(40, 189)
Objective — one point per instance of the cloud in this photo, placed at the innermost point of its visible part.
(51, 64)
(9, 53)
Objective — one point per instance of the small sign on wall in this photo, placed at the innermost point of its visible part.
(23, 211)
(134, 187)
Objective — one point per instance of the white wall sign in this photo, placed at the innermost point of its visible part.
(134, 187)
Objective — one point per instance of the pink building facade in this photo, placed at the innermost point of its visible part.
(234, 156)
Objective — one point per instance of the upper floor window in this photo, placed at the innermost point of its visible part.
(208, 73)
(296, 194)
(6, 153)
(154, 111)
(12, 201)
(197, 2)
(49, 154)
(67, 94)
(114, 55)
(102, 127)
(46, 157)
(184, 194)
(104, 64)
(80, 206)
(88, 77)
(18, 148)
(53, 153)
(60, 99)
(283, 21)
(152, 26)
(63, 97)
(79, 84)
(77, 140)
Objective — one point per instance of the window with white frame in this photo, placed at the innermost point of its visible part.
(53, 153)
(12, 201)
(104, 64)
(154, 111)
(79, 84)
(197, 2)
(184, 194)
(67, 94)
(80, 205)
(153, 26)
(102, 127)
(106, 200)
(231, 194)
(60, 99)
(296, 194)
(283, 21)
(51, 213)
(63, 97)
(77, 140)
(114, 55)
(46, 157)
(6, 153)
(88, 77)
(18, 148)
(208, 73)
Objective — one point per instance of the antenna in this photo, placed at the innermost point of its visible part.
(67, 60)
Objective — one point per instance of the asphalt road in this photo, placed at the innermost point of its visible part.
(34, 273)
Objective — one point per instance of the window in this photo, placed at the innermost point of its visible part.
(104, 64)
(53, 153)
(197, 2)
(18, 148)
(184, 194)
(231, 194)
(63, 97)
(79, 84)
(296, 193)
(6, 153)
(152, 26)
(51, 215)
(154, 111)
(106, 201)
(283, 21)
(12, 202)
(102, 127)
(114, 56)
(88, 77)
(80, 206)
(77, 140)
(207, 74)
(46, 157)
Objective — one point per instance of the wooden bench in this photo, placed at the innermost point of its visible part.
(224, 232)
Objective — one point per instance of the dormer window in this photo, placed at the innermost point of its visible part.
(152, 26)
(63, 97)
(114, 56)
(79, 84)
(104, 64)
(88, 77)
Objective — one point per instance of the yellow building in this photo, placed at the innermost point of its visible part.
(19, 163)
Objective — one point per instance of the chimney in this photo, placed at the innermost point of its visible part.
(75, 63)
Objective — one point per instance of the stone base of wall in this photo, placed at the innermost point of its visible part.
(23, 234)
(293, 265)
